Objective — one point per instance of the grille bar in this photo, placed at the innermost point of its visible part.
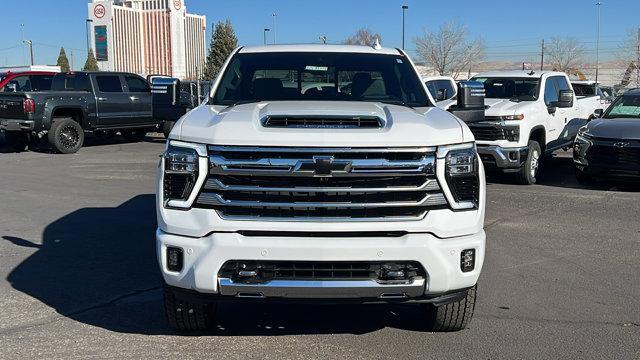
(305, 167)
(218, 185)
(214, 199)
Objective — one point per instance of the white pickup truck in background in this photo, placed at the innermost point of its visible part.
(528, 114)
(590, 96)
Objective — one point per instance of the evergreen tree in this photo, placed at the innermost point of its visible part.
(91, 64)
(63, 62)
(223, 42)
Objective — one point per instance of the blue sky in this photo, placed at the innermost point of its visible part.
(512, 29)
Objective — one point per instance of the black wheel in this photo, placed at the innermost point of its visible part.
(66, 135)
(453, 316)
(166, 128)
(529, 171)
(184, 315)
(18, 141)
(134, 135)
(583, 178)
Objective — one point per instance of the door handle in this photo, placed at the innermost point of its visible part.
(102, 99)
(134, 98)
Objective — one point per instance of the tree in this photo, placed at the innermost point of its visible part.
(91, 64)
(364, 36)
(448, 51)
(565, 53)
(629, 56)
(63, 62)
(223, 42)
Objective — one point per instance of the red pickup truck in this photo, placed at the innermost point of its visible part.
(26, 81)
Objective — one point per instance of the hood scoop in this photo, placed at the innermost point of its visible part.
(323, 122)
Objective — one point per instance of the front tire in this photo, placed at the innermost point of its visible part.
(529, 171)
(66, 135)
(184, 315)
(454, 316)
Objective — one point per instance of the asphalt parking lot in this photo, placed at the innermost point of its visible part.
(79, 277)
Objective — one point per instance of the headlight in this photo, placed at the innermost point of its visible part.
(512, 117)
(583, 131)
(582, 143)
(461, 174)
(182, 175)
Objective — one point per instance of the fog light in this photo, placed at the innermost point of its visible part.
(467, 260)
(175, 259)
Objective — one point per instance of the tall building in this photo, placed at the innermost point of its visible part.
(147, 37)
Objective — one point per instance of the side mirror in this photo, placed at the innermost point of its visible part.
(441, 95)
(565, 99)
(598, 113)
(551, 109)
(11, 88)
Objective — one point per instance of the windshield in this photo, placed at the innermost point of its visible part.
(517, 89)
(626, 106)
(320, 76)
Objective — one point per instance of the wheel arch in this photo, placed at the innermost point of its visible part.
(539, 134)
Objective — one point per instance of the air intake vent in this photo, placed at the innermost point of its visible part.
(340, 122)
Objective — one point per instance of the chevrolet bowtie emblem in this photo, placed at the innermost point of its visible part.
(324, 166)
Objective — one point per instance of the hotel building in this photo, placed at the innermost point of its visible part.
(147, 37)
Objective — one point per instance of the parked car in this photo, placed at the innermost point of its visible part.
(441, 88)
(610, 145)
(78, 102)
(528, 114)
(370, 196)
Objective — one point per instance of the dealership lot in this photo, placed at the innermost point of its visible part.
(80, 278)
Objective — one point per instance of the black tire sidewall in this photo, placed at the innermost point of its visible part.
(525, 172)
(54, 135)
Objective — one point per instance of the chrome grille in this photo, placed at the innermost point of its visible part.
(321, 183)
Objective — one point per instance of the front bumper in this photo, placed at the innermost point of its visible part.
(503, 158)
(204, 256)
(17, 125)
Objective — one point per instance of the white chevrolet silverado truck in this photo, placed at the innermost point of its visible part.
(528, 114)
(320, 173)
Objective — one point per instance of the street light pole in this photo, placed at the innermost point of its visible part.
(275, 40)
(404, 8)
(264, 35)
(598, 44)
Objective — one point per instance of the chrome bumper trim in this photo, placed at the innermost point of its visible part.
(323, 289)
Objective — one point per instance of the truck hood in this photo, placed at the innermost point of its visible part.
(618, 128)
(502, 107)
(241, 125)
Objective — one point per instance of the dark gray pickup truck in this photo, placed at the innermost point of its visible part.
(100, 102)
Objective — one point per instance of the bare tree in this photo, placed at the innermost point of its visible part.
(629, 55)
(364, 36)
(448, 51)
(565, 54)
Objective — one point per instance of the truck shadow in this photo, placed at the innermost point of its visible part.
(98, 266)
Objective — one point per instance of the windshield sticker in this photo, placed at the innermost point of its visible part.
(399, 61)
(316, 68)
